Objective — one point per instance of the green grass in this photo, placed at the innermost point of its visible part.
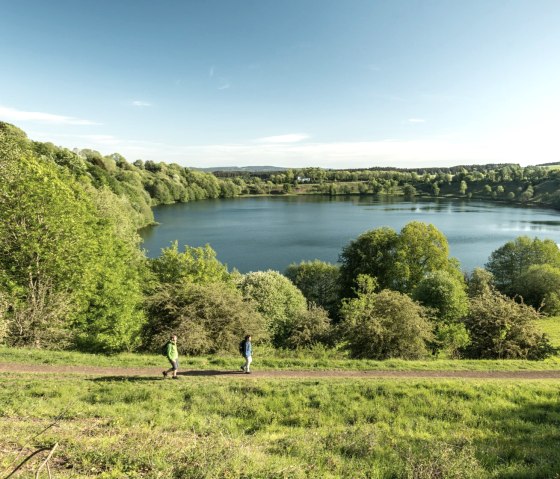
(269, 359)
(204, 428)
(551, 326)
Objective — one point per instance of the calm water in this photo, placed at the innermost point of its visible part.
(260, 233)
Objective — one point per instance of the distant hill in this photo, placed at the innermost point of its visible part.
(249, 169)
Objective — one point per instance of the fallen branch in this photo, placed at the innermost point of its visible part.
(27, 459)
(46, 462)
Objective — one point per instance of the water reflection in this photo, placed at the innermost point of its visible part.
(272, 232)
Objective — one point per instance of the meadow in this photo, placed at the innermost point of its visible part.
(250, 427)
(206, 427)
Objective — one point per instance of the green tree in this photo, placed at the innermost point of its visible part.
(463, 187)
(435, 188)
(319, 282)
(539, 287)
(445, 297)
(277, 299)
(501, 328)
(409, 191)
(514, 258)
(384, 325)
(479, 282)
(397, 261)
(193, 265)
(207, 318)
(372, 253)
(444, 294)
(71, 271)
(421, 249)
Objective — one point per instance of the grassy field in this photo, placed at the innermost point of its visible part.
(268, 359)
(551, 326)
(203, 428)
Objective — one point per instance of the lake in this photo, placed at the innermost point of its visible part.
(262, 233)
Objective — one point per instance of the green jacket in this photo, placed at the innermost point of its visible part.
(172, 353)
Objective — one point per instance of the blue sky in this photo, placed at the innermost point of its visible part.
(329, 83)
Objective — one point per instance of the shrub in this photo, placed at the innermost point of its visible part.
(310, 328)
(384, 325)
(206, 318)
(501, 328)
(276, 298)
(444, 294)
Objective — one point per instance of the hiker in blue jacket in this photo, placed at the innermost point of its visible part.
(247, 354)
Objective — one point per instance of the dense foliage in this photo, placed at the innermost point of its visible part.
(384, 325)
(70, 267)
(319, 282)
(501, 328)
(514, 258)
(73, 275)
(207, 318)
(397, 261)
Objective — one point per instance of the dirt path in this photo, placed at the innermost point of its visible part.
(58, 371)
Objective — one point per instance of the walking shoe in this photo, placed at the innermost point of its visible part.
(164, 374)
(242, 368)
(175, 377)
(247, 372)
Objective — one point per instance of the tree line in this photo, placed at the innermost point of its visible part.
(73, 276)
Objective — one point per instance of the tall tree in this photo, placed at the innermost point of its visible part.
(68, 269)
(319, 282)
(514, 258)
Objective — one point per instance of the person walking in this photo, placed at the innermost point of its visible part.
(173, 356)
(247, 354)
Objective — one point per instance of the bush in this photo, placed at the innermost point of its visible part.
(501, 328)
(384, 325)
(206, 318)
(311, 327)
(277, 299)
(444, 294)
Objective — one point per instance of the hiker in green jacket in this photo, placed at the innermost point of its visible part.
(173, 357)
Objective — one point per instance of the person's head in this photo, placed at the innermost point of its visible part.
(248, 337)
(174, 338)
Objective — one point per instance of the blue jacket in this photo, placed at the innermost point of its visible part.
(248, 349)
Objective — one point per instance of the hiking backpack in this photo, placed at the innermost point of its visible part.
(242, 348)
(164, 349)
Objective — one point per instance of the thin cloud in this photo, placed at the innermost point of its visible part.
(395, 152)
(290, 138)
(416, 120)
(224, 86)
(11, 114)
(140, 103)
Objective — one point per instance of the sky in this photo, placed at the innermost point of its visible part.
(330, 83)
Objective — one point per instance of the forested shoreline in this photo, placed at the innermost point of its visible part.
(73, 275)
